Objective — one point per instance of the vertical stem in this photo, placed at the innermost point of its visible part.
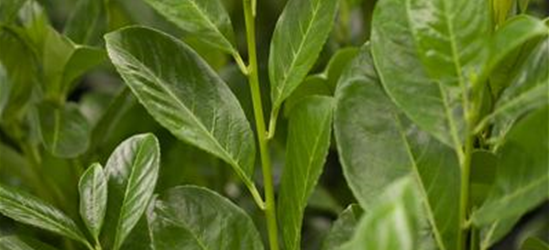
(253, 78)
(464, 193)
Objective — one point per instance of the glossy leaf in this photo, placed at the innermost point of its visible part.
(22, 243)
(196, 218)
(28, 209)
(378, 145)
(184, 95)
(93, 198)
(87, 22)
(522, 180)
(132, 172)
(393, 223)
(343, 228)
(64, 131)
(299, 36)
(429, 53)
(306, 151)
(206, 19)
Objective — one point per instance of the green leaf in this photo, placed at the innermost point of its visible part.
(22, 243)
(378, 145)
(534, 244)
(20, 68)
(132, 172)
(28, 209)
(87, 23)
(184, 95)
(207, 20)
(522, 180)
(5, 89)
(312, 85)
(93, 198)
(9, 9)
(191, 217)
(64, 131)
(493, 233)
(343, 228)
(429, 53)
(307, 147)
(299, 36)
(528, 90)
(501, 10)
(393, 223)
(64, 62)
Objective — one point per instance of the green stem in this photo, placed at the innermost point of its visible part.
(253, 78)
(464, 194)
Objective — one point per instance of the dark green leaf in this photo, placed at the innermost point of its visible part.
(312, 85)
(22, 243)
(483, 174)
(64, 131)
(9, 9)
(132, 172)
(522, 181)
(429, 53)
(93, 198)
(184, 95)
(207, 19)
(87, 22)
(534, 244)
(343, 228)
(378, 145)
(195, 218)
(393, 223)
(300, 33)
(306, 151)
(5, 88)
(28, 209)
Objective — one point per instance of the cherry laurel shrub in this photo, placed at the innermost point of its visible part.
(440, 124)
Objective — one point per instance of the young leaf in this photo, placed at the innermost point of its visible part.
(184, 95)
(300, 33)
(132, 171)
(93, 198)
(393, 223)
(206, 19)
(64, 62)
(308, 144)
(22, 243)
(64, 131)
(428, 54)
(528, 90)
(343, 228)
(522, 180)
(28, 209)
(378, 145)
(196, 218)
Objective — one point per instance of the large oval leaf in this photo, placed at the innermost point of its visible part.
(300, 33)
(184, 95)
(64, 131)
(522, 181)
(196, 218)
(132, 171)
(429, 54)
(308, 144)
(28, 209)
(378, 145)
(207, 20)
(93, 198)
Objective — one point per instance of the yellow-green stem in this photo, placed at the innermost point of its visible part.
(464, 194)
(253, 79)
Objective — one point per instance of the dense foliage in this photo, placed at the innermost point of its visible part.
(299, 124)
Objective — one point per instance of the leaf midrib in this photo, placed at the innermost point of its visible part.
(211, 24)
